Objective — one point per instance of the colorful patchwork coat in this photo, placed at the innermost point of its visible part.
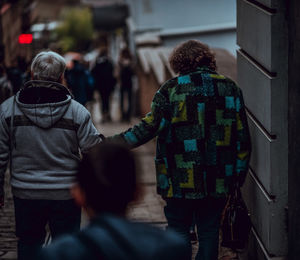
(203, 142)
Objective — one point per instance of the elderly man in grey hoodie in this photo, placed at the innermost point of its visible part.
(42, 132)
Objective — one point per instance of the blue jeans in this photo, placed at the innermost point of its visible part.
(206, 213)
(63, 216)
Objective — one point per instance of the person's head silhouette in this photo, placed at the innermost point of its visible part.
(106, 179)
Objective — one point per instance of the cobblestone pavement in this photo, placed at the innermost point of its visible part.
(8, 240)
(149, 208)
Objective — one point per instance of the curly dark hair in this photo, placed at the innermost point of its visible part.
(191, 54)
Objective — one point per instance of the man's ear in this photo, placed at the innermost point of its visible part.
(78, 195)
(61, 79)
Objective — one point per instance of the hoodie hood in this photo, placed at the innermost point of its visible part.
(43, 102)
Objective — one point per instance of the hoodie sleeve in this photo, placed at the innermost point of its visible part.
(87, 134)
(4, 150)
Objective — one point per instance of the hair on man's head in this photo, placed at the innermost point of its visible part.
(107, 175)
(48, 65)
(189, 55)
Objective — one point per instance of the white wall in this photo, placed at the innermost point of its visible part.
(166, 14)
(169, 15)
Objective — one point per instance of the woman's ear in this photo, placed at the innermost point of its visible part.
(78, 195)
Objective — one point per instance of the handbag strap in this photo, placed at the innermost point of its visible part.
(225, 208)
(233, 196)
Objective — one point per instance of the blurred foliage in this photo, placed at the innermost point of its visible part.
(76, 30)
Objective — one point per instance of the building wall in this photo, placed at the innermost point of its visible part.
(168, 14)
(47, 11)
(212, 22)
(148, 86)
(11, 17)
(294, 126)
(262, 36)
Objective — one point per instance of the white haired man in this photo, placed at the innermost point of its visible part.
(42, 131)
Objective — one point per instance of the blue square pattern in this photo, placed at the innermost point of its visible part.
(190, 145)
(238, 146)
(162, 124)
(229, 170)
(241, 166)
(130, 138)
(163, 182)
(238, 104)
(201, 107)
(169, 136)
(229, 102)
(166, 162)
(184, 79)
(208, 86)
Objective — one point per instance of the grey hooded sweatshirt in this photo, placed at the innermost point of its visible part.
(43, 130)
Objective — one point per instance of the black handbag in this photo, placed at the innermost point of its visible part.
(236, 223)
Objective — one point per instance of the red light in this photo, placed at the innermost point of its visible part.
(25, 38)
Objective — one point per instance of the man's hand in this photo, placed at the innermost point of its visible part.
(1, 202)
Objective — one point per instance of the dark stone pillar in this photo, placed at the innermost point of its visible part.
(1, 40)
(293, 16)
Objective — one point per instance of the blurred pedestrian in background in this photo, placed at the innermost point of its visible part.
(90, 89)
(80, 82)
(5, 86)
(42, 131)
(15, 75)
(203, 144)
(125, 73)
(106, 184)
(103, 73)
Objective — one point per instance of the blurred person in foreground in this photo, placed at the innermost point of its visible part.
(125, 68)
(203, 145)
(42, 131)
(5, 85)
(106, 184)
(103, 73)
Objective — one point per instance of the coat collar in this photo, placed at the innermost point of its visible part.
(202, 69)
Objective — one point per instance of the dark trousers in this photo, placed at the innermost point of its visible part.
(126, 113)
(105, 100)
(63, 216)
(206, 213)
